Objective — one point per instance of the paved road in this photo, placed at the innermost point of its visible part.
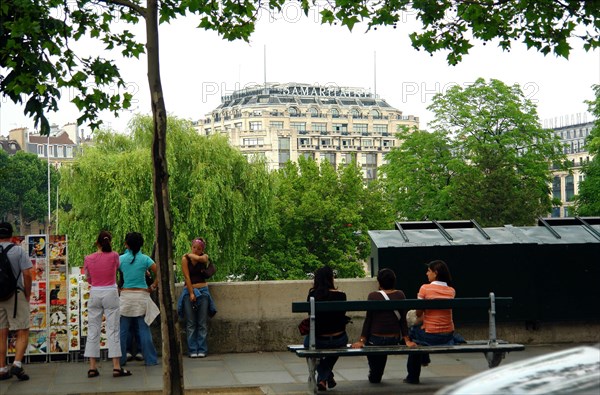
(255, 373)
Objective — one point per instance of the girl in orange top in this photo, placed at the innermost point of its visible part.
(437, 327)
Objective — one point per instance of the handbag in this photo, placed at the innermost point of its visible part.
(304, 327)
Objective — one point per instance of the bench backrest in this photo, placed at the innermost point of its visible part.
(407, 304)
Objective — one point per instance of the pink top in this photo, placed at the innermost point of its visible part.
(437, 321)
(101, 268)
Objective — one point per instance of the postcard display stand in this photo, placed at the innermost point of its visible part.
(55, 302)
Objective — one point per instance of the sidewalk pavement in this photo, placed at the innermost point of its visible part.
(255, 373)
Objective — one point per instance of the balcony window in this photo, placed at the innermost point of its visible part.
(380, 128)
(256, 125)
(298, 126)
(360, 127)
(278, 125)
(319, 127)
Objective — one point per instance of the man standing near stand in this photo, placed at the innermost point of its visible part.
(14, 312)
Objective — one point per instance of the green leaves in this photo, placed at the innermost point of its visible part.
(452, 25)
(487, 158)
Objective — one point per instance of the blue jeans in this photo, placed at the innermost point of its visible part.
(145, 339)
(377, 362)
(325, 365)
(196, 317)
(419, 336)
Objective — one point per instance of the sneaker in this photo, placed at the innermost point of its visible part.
(5, 375)
(201, 355)
(193, 355)
(331, 382)
(19, 372)
(322, 385)
(138, 357)
(410, 381)
(129, 357)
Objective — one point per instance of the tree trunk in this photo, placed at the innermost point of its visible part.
(171, 339)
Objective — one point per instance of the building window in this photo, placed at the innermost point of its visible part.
(388, 143)
(313, 112)
(375, 114)
(284, 144)
(237, 125)
(319, 127)
(369, 159)
(293, 112)
(555, 212)
(340, 127)
(69, 153)
(346, 142)
(256, 125)
(367, 143)
(569, 188)
(347, 158)
(308, 155)
(355, 114)
(51, 151)
(326, 141)
(556, 187)
(284, 157)
(303, 141)
(360, 127)
(250, 142)
(278, 125)
(298, 126)
(566, 211)
(380, 128)
(40, 149)
(335, 113)
(328, 156)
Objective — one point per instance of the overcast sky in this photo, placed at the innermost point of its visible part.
(198, 67)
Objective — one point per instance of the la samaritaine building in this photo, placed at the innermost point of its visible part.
(282, 122)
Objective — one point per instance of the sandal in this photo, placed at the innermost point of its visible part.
(121, 372)
(93, 373)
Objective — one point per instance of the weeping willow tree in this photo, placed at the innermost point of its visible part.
(215, 193)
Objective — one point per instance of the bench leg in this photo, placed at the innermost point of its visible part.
(494, 358)
(312, 374)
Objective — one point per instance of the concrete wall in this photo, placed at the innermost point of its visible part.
(257, 316)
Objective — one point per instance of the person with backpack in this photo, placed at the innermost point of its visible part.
(15, 290)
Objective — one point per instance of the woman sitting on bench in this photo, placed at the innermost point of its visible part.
(437, 327)
(383, 328)
(330, 327)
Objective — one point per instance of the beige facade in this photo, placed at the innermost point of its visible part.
(565, 184)
(281, 122)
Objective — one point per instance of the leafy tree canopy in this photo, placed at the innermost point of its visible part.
(24, 187)
(321, 216)
(215, 193)
(487, 159)
(452, 25)
(587, 202)
(38, 61)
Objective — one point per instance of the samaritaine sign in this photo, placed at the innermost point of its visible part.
(293, 89)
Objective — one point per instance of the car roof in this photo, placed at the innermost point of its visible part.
(572, 371)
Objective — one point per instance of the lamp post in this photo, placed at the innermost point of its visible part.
(49, 211)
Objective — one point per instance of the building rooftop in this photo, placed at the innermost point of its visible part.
(302, 94)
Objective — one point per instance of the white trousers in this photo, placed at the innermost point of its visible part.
(104, 300)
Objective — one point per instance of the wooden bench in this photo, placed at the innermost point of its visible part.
(494, 350)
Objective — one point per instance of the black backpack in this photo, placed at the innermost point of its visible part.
(8, 281)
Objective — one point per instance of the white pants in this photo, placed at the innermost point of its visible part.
(104, 300)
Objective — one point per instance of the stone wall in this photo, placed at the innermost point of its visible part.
(257, 316)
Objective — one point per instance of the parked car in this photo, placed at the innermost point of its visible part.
(572, 371)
